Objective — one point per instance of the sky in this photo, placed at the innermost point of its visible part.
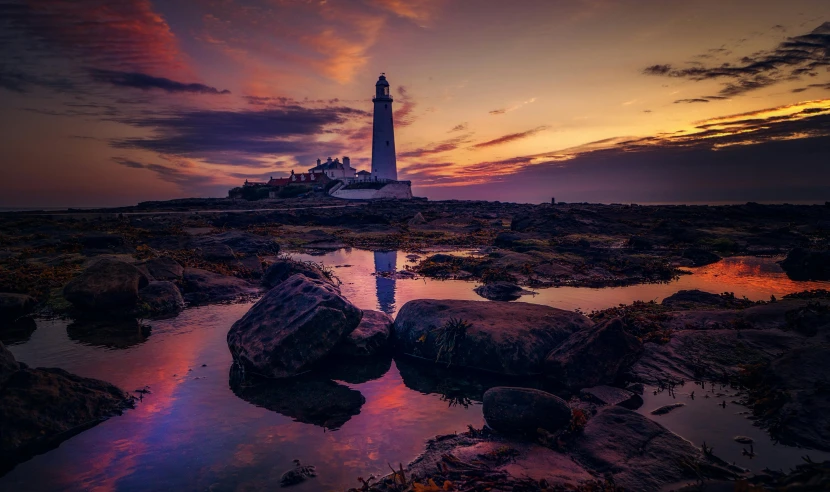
(113, 102)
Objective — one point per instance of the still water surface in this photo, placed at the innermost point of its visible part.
(193, 432)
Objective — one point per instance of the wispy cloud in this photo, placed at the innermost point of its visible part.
(512, 137)
(143, 81)
(500, 111)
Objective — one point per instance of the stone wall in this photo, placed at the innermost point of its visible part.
(398, 190)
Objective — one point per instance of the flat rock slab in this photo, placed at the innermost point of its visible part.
(639, 453)
(292, 327)
(609, 395)
(506, 338)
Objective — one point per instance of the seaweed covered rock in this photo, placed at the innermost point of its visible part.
(524, 410)
(201, 286)
(499, 291)
(160, 298)
(161, 268)
(292, 327)
(280, 270)
(371, 337)
(506, 338)
(106, 285)
(805, 264)
(593, 356)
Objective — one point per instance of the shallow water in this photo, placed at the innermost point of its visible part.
(193, 432)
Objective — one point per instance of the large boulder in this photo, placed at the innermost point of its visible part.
(506, 338)
(638, 453)
(160, 298)
(201, 286)
(700, 257)
(804, 264)
(106, 285)
(499, 291)
(524, 410)
(698, 299)
(371, 337)
(161, 268)
(292, 327)
(13, 306)
(593, 356)
(283, 268)
(41, 407)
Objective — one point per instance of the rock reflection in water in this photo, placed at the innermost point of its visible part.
(455, 385)
(17, 331)
(356, 370)
(308, 399)
(111, 333)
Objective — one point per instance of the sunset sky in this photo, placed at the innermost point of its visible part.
(648, 101)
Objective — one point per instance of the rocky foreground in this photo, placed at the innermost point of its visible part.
(572, 430)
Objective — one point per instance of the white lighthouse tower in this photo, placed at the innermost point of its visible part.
(384, 166)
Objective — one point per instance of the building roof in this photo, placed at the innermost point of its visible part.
(297, 178)
(363, 172)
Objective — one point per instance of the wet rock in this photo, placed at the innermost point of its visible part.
(160, 298)
(499, 291)
(315, 401)
(161, 268)
(524, 410)
(804, 264)
(246, 243)
(743, 440)
(506, 338)
(13, 306)
(292, 327)
(593, 356)
(371, 337)
(39, 408)
(798, 381)
(280, 270)
(201, 286)
(106, 285)
(667, 408)
(118, 333)
(638, 453)
(298, 474)
(700, 257)
(609, 395)
(217, 252)
(456, 386)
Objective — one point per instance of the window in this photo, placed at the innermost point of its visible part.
(386, 91)
(385, 106)
(387, 143)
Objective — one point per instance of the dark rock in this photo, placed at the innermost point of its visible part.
(639, 243)
(499, 291)
(700, 257)
(371, 337)
(691, 299)
(609, 395)
(418, 219)
(201, 286)
(118, 333)
(246, 243)
(101, 241)
(252, 266)
(7, 364)
(803, 264)
(161, 268)
(106, 285)
(280, 270)
(298, 474)
(506, 239)
(355, 370)
(319, 402)
(667, 408)
(292, 327)
(593, 356)
(524, 410)
(505, 338)
(39, 408)
(799, 378)
(160, 298)
(17, 331)
(456, 386)
(638, 453)
(13, 306)
(217, 252)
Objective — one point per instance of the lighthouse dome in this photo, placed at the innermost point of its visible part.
(382, 81)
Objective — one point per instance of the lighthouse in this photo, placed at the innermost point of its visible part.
(384, 166)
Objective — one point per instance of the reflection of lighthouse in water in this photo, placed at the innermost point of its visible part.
(386, 261)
